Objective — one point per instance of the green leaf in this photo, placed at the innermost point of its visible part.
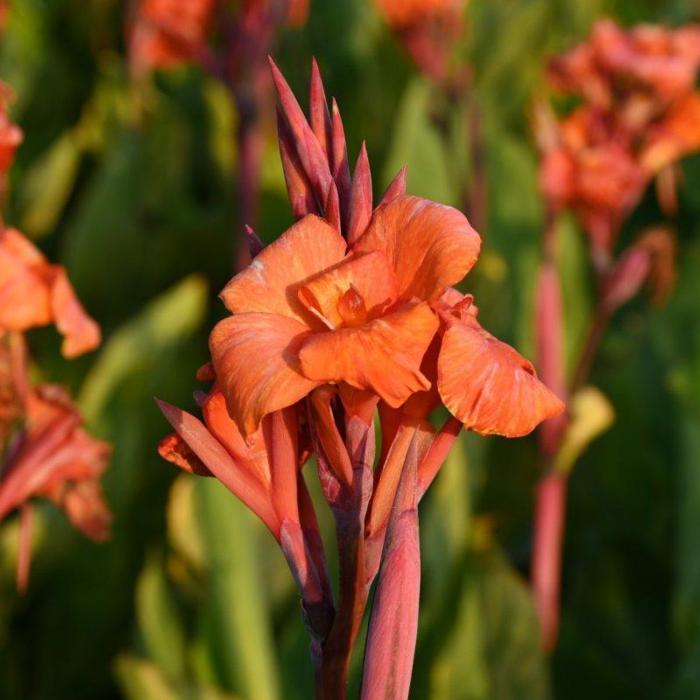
(239, 618)
(170, 318)
(490, 645)
(572, 264)
(48, 184)
(159, 620)
(184, 530)
(417, 144)
(142, 680)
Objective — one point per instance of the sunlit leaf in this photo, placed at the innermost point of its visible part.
(237, 607)
(48, 184)
(160, 624)
(590, 414)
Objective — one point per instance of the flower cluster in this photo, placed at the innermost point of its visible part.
(639, 115)
(44, 451)
(351, 311)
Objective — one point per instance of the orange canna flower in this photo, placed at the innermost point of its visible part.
(615, 64)
(640, 115)
(34, 292)
(319, 312)
(54, 458)
(351, 310)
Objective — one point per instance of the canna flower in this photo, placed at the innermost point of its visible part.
(35, 292)
(641, 114)
(647, 66)
(352, 309)
(53, 457)
(56, 459)
(363, 316)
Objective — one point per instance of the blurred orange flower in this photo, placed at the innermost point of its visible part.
(56, 459)
(35, 292)
(641, 114)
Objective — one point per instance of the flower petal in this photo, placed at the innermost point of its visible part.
(220, 463)
(430, 246)
(490, 387)
(24, 294)
(269, 284)
(383, 355)
(81, 333)
(249, 452)
(255, 358)
(368, 273)
(677, 134)
(34, 292)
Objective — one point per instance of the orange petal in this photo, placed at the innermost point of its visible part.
(35, 293)
(270, 283)
(255, 358)
(24, 294)
(384, 355)
(87, 510)
(677, 135)
(81, 333)
(249, 452)
(217, 459)
(430, 246)
(489, 386)
(368, 274)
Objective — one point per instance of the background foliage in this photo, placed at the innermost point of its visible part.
(132, 189)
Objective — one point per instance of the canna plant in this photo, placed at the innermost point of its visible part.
(44, 450)
(638, 115)
(346, 337)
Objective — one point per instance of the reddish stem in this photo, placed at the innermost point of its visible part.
(546, 565)
(337, 649)
(350, 514)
